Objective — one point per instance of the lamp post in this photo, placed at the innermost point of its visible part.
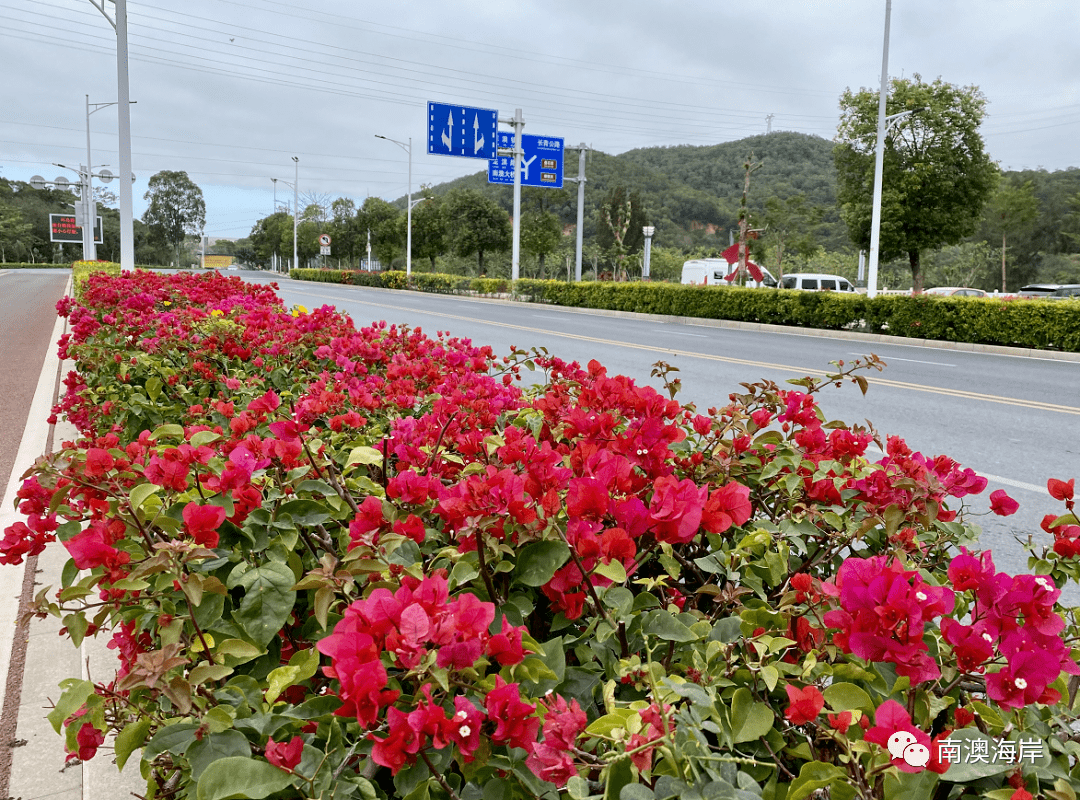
(123, 109)
(89, 248)
(879, 160)
(274, 254)
(408, 224)
(648, 230)
(296, 208)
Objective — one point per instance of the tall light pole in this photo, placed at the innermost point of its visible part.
(879, 160)
(123, 113)
(408, 225)
(273, 256)
(648, 230)
(296, 208)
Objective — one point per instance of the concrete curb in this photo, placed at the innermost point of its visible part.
(875, 338)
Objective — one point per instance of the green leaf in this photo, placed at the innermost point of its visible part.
(75, 694)
(174, 431)
(153, 390)
(209, 672)
(771, 675)
(635, 791)
(663, 625)
(305, 512)
(132, 736)
(364, 455)
(847, 697)
(239, 778)
(613, 571)
(814, 775)
(216, 746)
(749, 720)
(175, 739)
(497, 789)
(239, 649)
(140, 493)
(619, 774)
(303, 665)
(964, 770)
(911, 785)
(538, 562)
(268, 601)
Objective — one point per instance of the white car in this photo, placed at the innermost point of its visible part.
(816, 282)
(956, 291)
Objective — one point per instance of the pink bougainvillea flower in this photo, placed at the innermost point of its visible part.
(1001, 504)
(675, 509)
(727, 506)
(804, 704)
(285, 756)
(516, 722)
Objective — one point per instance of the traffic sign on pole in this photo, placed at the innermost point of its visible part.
(541, 163)
(462, 131)
(65, 228)
(324, 240)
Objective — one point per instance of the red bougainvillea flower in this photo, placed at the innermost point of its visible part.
(840, 722)
(285, 756)
(675, 509)
(890, 718)
(516, 722)
(1061, 490)
(201, 523)
(88, 739)
(805, 704)
(1001, 504)
(552, 758)
(93, 546)
(727, 506)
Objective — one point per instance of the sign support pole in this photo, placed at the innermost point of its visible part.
(518, 122)
(580, 209)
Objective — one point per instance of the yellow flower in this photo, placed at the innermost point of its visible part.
(217, 312)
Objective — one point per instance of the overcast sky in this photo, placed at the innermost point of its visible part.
(230, 90)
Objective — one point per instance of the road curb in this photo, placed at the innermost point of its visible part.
(701, 322)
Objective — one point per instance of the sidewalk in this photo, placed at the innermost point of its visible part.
(34, 658)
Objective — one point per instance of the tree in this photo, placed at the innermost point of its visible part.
(387, 226)
(937, 176)
(430, 229)
(621, 221)
(790, 226)
(176, 208)
(12, 229)
(541, 233)
(268, 235)
(477, 225)
(1011, 209)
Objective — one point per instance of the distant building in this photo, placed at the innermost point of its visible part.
(213, 261)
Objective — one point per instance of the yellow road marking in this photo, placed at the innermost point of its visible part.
(915, 387)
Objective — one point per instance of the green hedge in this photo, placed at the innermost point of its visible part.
(1026, 322)
(28, 265)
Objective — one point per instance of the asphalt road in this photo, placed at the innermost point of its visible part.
(1015, 420)
(27, 314)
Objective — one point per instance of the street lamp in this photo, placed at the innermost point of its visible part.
(408, 225)
(296, 208)
(89, 250)
(123, 107)
(648, 230)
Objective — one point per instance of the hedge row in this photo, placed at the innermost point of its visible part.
(1033, 323)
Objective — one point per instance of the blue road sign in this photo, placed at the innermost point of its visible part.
(541, 162)
(462, 131)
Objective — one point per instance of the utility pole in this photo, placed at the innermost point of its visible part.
(518, 122)
(581, 148)
(744, 221)
(879, 161)
(296, 208)
(768, 123)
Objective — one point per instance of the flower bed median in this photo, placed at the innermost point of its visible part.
(355, 563)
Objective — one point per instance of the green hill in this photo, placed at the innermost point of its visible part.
(691, 194)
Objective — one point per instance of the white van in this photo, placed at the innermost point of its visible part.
(816, 282)
(712, 271)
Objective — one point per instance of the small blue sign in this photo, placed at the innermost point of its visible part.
(541, 162)
(462, 131)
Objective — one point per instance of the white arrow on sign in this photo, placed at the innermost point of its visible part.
(446, 140)
(478, 140)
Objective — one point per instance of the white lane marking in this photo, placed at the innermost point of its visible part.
(681, 333)
(912, 360)
(549, 316)
(1029, 487)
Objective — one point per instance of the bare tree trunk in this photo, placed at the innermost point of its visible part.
(1003, 289)
(916, 272)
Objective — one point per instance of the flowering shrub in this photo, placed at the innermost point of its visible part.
(342, 563)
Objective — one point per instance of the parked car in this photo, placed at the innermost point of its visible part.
(1039, 289)
(713, 271)
(816, 282)
(1066, 291)
(956, 291)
